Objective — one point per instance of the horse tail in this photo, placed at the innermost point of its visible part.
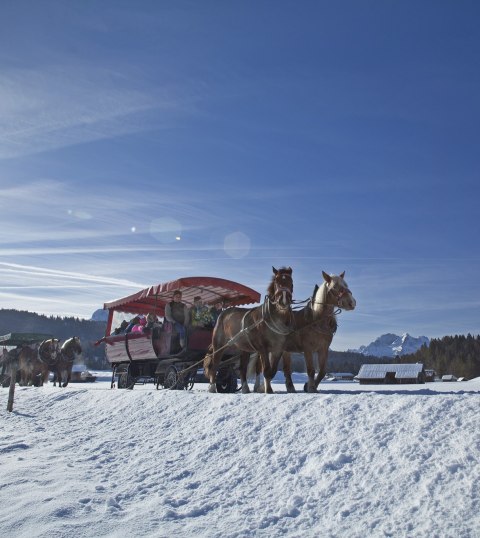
(208, 361)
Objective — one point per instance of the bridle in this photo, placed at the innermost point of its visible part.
(283, 290)
(46, 349)
(337, 294)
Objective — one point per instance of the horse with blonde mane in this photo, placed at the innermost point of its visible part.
(315, 326)
(62, 367)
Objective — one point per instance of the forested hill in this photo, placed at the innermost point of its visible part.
(61, 328)
(457, 355)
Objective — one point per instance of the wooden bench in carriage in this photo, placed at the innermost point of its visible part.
(156, 355)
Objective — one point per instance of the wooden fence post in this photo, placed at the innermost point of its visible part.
(13, 380)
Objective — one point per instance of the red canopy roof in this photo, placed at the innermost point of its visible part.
(154, 298)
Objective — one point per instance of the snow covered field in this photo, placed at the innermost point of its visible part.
(352, 461)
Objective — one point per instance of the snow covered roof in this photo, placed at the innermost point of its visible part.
(379, 371)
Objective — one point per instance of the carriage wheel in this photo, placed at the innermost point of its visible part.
(173, 381)
(226, 380)
(125, 380)
(190, 380)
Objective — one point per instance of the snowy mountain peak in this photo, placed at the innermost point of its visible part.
(392, 345)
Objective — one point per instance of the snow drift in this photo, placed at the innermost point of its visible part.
(351, 461)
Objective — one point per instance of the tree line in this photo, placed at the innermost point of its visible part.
(458, 355)
(19, 321)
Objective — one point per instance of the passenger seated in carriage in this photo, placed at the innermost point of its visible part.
(134, 321)
(176, 313)
(200, 315)
(140, 326)
(215, 311)
(153, 325)
(122, 328)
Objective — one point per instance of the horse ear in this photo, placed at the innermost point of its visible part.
(326, 277)
(274, 270)
(289, 270)
(342, 275)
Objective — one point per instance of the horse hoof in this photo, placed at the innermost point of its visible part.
(291, 390)
(212, 388)
(246, 390)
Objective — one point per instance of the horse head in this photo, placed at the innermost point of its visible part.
(280, 290)
(72, 346)
(49, 349)
(336, 292)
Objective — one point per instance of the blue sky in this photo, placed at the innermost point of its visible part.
(142, 141)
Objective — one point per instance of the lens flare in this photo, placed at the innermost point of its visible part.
(237, 245)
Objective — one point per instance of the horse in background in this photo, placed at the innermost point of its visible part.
(6, 360)
(30, 369)
(62, 369)
(262, 329)
(33, 370)
(315, 326)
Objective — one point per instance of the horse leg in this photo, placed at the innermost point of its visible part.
(268, 375)
(287, 371)
(67, 375)
(210, 365)
(310, 385)
(259, 386)
(322, 363)
(244, 361)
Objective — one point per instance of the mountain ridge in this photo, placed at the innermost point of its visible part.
(393, 345)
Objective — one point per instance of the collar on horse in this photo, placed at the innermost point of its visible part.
(275, 325)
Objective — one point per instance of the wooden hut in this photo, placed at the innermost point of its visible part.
(391, 374)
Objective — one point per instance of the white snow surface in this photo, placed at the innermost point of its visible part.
(352, 461)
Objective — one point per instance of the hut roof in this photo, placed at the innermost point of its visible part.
(379, 371)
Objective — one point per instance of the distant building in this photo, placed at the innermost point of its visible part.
(449, 377)
(430, 375)
(391, 374)
(341, 376)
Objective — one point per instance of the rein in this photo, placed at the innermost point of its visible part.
(276, 326)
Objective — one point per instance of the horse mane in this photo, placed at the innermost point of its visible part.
(319, 297)
(68, 342)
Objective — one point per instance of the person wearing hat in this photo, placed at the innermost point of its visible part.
(200, 314)
(176, 313)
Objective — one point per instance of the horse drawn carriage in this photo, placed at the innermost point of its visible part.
(155, 355)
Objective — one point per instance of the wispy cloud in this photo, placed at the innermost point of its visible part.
(69, 277)
(63, 105)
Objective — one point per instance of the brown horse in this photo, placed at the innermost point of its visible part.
(262, 329)
(48, 351)
(62, 370)
(33, 370)
(315, 326)
(6, 360)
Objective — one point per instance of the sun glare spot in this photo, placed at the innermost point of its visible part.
(237, 245)
(133, 229)
(178, 238)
